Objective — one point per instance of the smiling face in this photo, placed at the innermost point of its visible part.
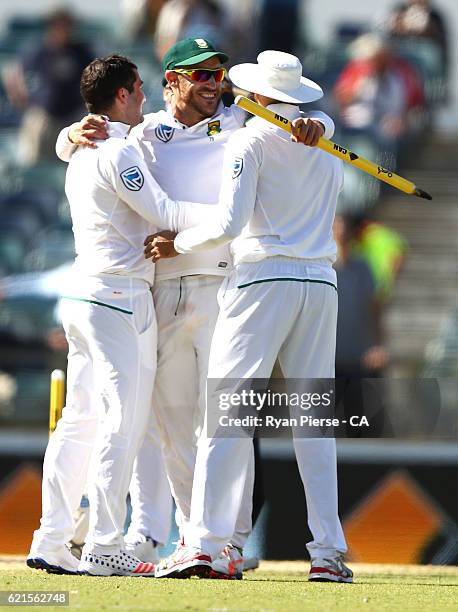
(191, 101)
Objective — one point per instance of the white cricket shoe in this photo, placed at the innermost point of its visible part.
(250, 563)
(60, 561)
(228, 565)
(184, 563)
(119, 564)
(330, 570)
(146, 550)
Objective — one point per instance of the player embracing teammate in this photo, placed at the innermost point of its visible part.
(183, 148)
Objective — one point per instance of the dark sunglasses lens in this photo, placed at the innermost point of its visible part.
(201, 76)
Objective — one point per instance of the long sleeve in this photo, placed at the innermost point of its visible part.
(237, 198)
(65, 148)
(329, 127)
(128, 176)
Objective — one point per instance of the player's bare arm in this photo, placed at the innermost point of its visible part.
(307, 131)
(90, 128)
(160, 246)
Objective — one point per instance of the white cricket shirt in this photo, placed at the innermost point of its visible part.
(278, 198)
(187, 162)
(115, 203)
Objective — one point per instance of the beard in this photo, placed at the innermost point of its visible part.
(204, 107)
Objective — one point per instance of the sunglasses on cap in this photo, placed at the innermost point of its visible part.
(202, 75)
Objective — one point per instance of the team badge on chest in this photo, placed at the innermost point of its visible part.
(214, 127)
(133, 178)
(164, 132)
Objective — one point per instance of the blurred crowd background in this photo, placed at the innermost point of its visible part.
(390, 79)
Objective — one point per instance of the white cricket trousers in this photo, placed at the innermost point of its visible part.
(149, 490)
(295, 321)
(186, 311)
(112, 337)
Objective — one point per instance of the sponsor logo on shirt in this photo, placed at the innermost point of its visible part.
(214, 127)
(164, 132)
(222, 264)
(133, 178)
(238, 167)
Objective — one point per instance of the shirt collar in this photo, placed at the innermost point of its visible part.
(289, 111)
(117, 129)
(173, 122)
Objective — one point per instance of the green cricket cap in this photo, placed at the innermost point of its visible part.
(191, 51)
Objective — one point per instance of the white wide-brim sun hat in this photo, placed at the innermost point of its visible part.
(277, 75)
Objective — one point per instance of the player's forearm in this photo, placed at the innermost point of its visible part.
(201, 238)
(153, 204)
(191, 214)
(221, 229)
(64, 147)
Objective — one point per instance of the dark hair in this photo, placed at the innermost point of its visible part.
(102, 78)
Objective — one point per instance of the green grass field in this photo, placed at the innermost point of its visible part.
(276, 586)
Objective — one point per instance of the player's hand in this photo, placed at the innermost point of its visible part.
(160, 246)
(90, 128)
(307, 131)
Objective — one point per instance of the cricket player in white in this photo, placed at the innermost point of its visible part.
(184, 147)
(277, 204)
(109, 319)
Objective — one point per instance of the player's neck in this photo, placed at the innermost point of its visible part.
(186, 114)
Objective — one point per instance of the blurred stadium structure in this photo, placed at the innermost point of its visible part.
(397, 490)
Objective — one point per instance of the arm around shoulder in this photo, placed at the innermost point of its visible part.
(64, 146)
(324, 119)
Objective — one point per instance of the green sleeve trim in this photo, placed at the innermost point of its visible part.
(297, 280)
(66, 297)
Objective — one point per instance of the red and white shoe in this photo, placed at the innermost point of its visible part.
(119, 564)
(330, 570)
(184, 563)
(228, 565)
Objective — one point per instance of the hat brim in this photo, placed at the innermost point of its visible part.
(250, 78)
(202, 57)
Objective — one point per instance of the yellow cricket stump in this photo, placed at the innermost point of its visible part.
(56, 398)
(380, 173)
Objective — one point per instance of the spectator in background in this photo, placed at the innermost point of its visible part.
(46, 85)
(279, 25)
(243, 18)
(384, 251)
(139, 18)
(360, 351)
(372, 93)
(200, 19)
(418, 19)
